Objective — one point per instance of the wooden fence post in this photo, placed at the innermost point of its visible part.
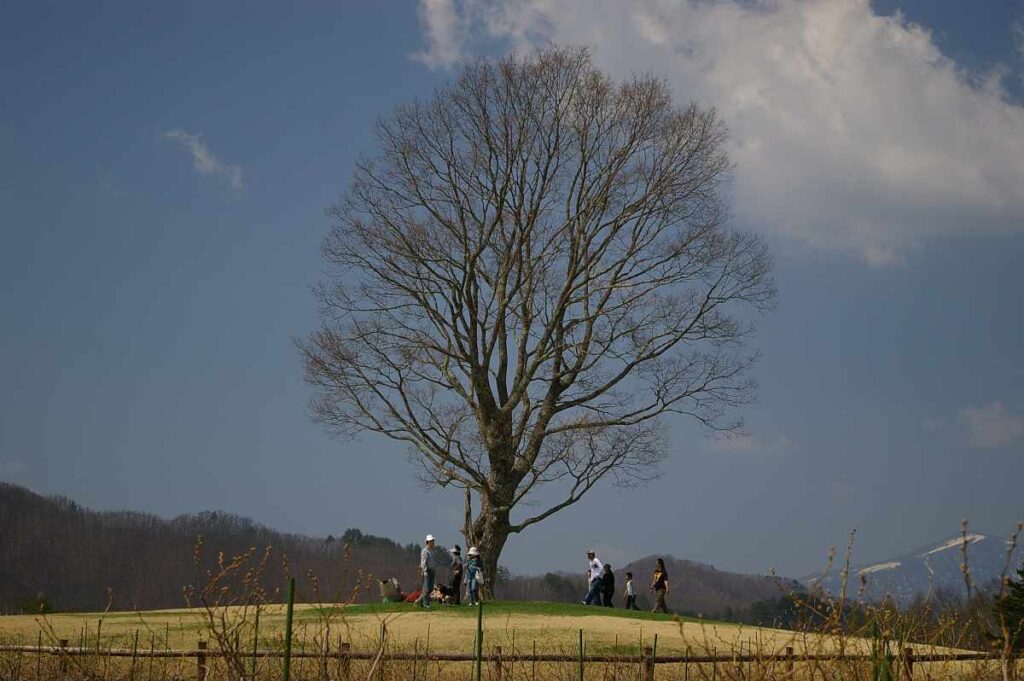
(497, 663)
(325, 650)
(790, 662)
(63, 657)
(908, 661)
(255, 642)
(580, 670)
(345, 660)
(648, 664)
(135, 655)
(383, 642)
(654, 656)
(201, 661)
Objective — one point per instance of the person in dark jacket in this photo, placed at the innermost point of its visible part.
(455, 581)
(607, 585)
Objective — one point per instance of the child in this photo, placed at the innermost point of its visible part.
(474, 575)
(630, 593)
(607, 585)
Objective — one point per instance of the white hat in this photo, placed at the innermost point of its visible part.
(430, 537)
(473, 551)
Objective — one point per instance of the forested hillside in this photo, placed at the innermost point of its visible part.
(55, 553)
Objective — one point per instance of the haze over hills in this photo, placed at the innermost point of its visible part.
(70, 555)
(935, 568)
(56, 551)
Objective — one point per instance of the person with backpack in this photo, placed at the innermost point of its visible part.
(474, 575)
(659, 587)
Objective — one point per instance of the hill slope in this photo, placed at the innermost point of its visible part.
(697, 588)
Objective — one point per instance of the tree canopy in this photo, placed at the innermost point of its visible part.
(529, 273)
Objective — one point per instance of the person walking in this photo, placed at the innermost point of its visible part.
(474, 575)
(594, 569)
(428, 569)
(455, 575)
(630, 593)
(608, 585)
(659, 587)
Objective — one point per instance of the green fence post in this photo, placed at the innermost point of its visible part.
(479, 639)
(288, 631)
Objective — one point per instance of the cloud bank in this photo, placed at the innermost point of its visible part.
(992, 425)
(203, 160)
(851, 132)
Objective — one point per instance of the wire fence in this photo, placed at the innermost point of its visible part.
(201, 663)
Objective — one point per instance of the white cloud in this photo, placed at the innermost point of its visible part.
(203, 160)
(444, 33)
(992, 425)
(851, 131)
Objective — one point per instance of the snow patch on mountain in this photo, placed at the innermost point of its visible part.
(929, 569)
(952, 543)
(878, 568)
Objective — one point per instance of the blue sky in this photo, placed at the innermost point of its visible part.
(164, 170)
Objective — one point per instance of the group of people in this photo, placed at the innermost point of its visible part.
(472, 572)
(600, 580)
(601, 585)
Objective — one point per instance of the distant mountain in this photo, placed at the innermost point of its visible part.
(935, 568)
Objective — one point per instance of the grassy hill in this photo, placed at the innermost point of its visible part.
(554, 627)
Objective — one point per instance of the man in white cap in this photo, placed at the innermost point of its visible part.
(594, 568)
(428, 568)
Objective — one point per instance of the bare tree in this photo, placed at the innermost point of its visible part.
(531, 272)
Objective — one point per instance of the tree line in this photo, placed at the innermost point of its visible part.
(59, 555)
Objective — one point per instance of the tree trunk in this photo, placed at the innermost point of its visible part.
(489, 532)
